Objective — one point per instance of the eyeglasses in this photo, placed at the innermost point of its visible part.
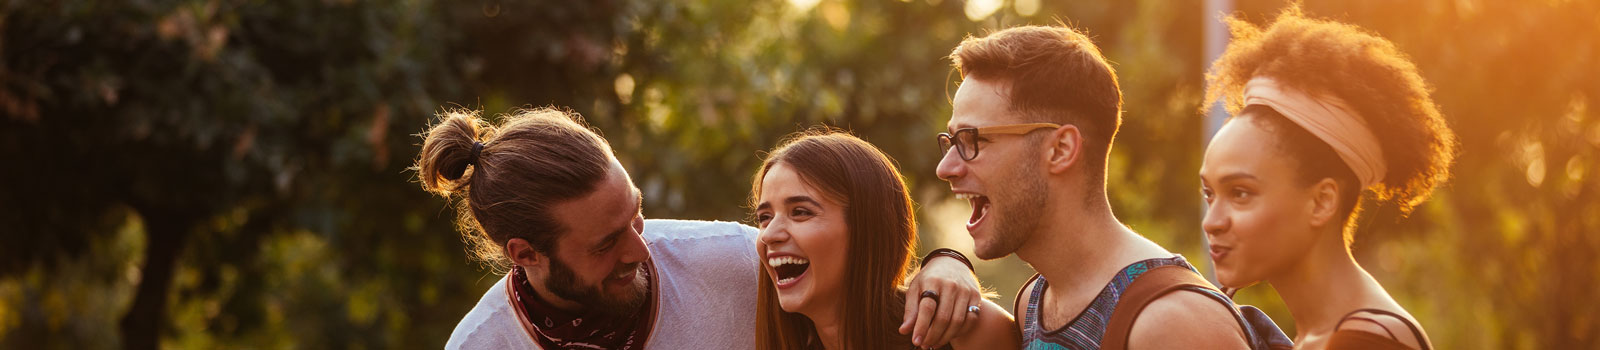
(965, 140)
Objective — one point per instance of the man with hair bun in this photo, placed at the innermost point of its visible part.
(542, 197)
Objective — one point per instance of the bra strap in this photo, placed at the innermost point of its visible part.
(1415, 331)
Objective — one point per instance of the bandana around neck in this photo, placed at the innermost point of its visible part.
(559, 329)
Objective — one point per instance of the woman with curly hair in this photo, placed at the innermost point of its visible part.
(1323, 114)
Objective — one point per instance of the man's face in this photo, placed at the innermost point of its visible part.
(1004, 183)
(599, 262)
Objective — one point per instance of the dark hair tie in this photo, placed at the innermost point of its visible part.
(477, 147)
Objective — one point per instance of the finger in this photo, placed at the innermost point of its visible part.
(960, 318)
(941, 320)
(957, 314)
(911, 306)
(974, 317)
(926, 310)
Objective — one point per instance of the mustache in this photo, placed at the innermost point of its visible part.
(626, 268)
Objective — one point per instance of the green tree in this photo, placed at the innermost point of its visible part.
(223, 173)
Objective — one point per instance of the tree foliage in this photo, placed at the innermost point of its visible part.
(218, 173)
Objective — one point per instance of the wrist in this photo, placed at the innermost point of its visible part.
(947, 252)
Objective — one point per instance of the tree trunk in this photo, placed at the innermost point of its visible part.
(165, 235)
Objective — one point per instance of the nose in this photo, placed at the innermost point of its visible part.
(776, 232)
(951, 166)
(636, 249)
(1217, 219)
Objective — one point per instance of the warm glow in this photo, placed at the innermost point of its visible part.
(624, 87)
(1026, 8)
(981, 9)
(804, 5)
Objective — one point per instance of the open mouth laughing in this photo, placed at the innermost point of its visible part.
(980, 208)
(787, 270)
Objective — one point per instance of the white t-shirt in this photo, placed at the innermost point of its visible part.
(706, 272)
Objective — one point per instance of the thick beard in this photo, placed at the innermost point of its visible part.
(563, 282)
(1022, 205)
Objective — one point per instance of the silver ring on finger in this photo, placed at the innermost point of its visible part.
(972, 309)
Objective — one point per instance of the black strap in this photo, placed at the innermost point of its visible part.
(477, 148)
(1415, 331)
(1380, 325)
(952, 253)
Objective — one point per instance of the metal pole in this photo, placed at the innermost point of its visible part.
(1216, 39)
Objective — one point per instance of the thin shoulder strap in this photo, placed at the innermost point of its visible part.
(1145, 289)
(1415, 331)
(1016, 304)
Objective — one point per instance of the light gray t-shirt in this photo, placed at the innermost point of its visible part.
(706, 274)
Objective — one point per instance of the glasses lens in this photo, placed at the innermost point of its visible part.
(966, 141)
(944, 143)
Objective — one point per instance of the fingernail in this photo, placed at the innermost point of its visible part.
(916, 341)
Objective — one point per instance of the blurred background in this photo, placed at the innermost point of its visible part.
(232, 173)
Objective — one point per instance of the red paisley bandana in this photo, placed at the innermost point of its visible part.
(558, 329)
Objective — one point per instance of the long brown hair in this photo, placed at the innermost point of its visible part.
(537, 158)
(882, 232)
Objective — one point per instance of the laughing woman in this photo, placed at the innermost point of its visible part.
(1324, 114)
(836, 238)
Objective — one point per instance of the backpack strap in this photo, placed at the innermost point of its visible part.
(1143, 290)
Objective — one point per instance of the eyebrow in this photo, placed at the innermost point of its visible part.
(790, 200)
(952, 127)
(640, 195)
(1232, 177)
(624, 228)
(801, 199)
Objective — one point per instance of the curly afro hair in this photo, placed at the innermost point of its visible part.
(1329, 58)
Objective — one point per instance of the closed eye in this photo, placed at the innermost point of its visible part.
(607, 245)
(762, 219)
(801, 213)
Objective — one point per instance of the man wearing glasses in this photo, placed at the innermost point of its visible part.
(1028, 139)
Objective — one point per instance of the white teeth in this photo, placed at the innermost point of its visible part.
(787, 280)
(786, 260)
(966, 196)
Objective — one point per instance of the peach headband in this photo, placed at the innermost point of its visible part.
(1329, 119)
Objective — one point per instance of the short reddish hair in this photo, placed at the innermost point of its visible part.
(1050, 74)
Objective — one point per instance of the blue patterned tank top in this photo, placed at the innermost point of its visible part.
(1084, 331)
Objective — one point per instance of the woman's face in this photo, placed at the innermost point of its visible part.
(1258, 216)
(803, 240)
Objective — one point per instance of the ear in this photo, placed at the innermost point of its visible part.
(522, 253)
(1066, 148)
(1324, 202)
